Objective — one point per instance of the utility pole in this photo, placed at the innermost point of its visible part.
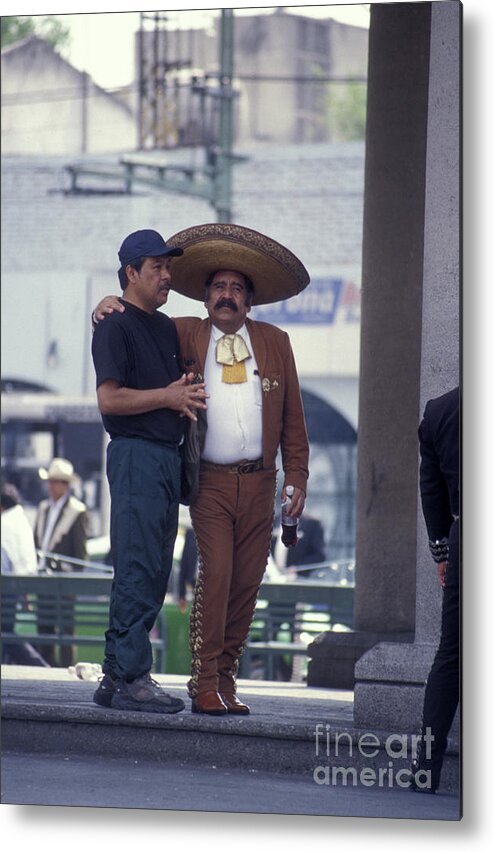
(84, 111)
(212, 180)
(223, 174)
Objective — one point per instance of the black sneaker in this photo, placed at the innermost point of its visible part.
(104, 693)
(146, 695)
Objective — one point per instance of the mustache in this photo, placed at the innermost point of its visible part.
(226, 303)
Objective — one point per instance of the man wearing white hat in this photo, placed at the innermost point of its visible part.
(254, 408)
(61, 527)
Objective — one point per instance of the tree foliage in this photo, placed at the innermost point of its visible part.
(346, 107)
(341, 107)
(15, 27)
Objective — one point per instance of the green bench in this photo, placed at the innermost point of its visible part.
(288, 617)
(73, 606)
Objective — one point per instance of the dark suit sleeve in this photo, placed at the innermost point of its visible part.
(310, 548)
(433, 486)
(79, 535)
(316, 553)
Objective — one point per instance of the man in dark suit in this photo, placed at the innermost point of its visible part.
(309, 549)
(440, 496)
(61, 528)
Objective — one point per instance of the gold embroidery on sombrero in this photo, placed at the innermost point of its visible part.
(258, 241)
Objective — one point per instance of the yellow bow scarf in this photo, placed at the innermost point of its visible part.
(231, 351)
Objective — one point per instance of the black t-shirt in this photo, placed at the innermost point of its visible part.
(139, 350)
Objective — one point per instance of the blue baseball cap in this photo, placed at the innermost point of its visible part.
(145, 243)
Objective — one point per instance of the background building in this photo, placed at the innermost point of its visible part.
(60, 257)
(60, 245)
(49, 107)
(283, 65)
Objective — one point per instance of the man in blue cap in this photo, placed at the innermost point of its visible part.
(254, 409)
(143, 401)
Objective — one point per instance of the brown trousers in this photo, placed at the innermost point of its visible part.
(232, 519)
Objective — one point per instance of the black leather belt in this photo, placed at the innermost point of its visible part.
(244, 466)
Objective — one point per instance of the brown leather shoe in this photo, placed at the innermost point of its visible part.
(233, 704)
(210, 703)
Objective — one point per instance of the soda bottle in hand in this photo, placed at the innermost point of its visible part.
(289, 525)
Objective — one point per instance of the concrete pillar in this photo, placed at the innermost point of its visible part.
(418, 177)
(392, 272)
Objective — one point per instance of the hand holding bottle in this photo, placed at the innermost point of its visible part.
(289, 523)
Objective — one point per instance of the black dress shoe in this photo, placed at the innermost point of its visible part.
(425, 779)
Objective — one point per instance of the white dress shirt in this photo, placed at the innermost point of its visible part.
(234, 410)
(18, 541)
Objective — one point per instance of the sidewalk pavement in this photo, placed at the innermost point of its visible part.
(292, 729)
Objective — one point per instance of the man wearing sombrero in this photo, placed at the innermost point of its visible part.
(254, 408)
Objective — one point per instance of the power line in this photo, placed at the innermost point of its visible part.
(93, 91)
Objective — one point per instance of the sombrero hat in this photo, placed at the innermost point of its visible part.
(274, 270)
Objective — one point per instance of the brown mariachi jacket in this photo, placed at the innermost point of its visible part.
(283, 420)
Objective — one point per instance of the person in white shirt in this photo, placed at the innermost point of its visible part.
(18, 550)
(18, 557)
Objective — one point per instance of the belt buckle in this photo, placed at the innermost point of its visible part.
(247, 467)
